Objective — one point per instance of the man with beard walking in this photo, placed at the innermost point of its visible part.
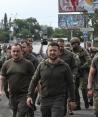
(54, 76)
(70, 59)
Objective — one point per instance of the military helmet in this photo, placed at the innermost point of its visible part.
(94, 49)
(75, 40)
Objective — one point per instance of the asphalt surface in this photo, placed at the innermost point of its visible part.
(6, 112)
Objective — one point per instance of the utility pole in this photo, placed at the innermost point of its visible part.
(85, 33)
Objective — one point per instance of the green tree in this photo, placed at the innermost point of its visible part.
(94, 20)
(27, 27)
(4, 36)
(95, 23)
(5, 22)
(61, 33)
(50, 32)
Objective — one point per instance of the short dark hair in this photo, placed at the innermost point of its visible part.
(16, 44)
(53, 44)
(24, 41)
(60, 40)
(29, 39)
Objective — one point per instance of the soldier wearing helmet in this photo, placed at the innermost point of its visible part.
(81, 80)
(93, 51)
(75, 40)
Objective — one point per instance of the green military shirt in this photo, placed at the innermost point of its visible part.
(19, 74)
(85, 60)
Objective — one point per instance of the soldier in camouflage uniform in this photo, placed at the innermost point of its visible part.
(81, 80)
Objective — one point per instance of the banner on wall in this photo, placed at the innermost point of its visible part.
(77, 6)
(71, 21)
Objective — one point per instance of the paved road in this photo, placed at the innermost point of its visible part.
(6, 112)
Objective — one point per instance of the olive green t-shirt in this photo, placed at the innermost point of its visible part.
(19, 74)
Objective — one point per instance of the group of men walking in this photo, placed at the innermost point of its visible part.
(59, 77)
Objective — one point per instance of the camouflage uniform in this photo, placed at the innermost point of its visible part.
(83, 69)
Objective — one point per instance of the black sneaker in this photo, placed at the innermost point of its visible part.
(71, 113)
(34, 108)
(87, 105)
(91, 102)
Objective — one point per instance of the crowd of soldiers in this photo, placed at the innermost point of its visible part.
(19, 64)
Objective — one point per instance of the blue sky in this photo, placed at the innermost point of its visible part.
(45, 11)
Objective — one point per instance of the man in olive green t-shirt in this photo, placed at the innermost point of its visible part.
(19, 72)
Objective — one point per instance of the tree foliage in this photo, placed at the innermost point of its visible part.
(4, 36)
(26, 27)
(5, 22)
(50, 32)
(22, 28)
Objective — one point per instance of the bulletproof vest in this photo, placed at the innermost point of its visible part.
(81, 56)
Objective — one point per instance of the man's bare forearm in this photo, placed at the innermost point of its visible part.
(90, 77)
